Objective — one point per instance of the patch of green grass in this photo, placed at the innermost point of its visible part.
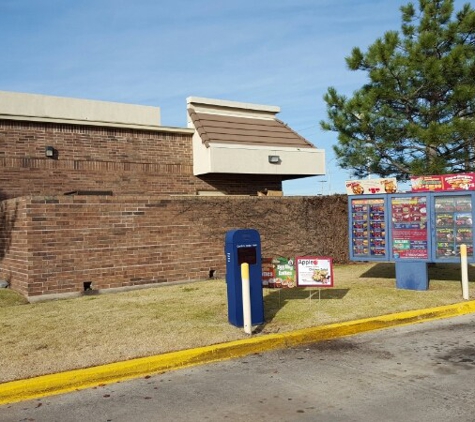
(10, 298)
(189, 289)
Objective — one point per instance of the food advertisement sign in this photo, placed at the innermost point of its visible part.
(445, 182)
(278, 273)
(409, 227)
(313, 271)
(368, 227)
(268, 273)
(371, 186)
(453, 225)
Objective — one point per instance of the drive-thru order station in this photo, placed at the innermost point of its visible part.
(243, 246)
(431, 224)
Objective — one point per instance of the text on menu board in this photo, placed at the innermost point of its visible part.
(368, 228)
(409, 227)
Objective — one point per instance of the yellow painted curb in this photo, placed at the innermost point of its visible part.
(48, 385)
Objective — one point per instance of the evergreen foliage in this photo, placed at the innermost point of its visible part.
(415, 115)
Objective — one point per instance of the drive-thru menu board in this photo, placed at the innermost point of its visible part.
(409, 227)
(368, 228)
(453, 225)
(417, 226)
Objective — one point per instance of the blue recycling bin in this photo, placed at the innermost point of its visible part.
(244, 246)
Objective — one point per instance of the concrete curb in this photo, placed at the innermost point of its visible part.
(48, 385)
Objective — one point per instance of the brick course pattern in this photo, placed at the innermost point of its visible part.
(124, 161)
(154, 228)
(54, 245)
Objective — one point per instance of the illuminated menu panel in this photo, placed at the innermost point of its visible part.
(409, 227)
(368, 228)
(453, 225)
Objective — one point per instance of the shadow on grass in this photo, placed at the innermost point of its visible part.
(383, 270)
(284, 295)
(276, 299)
(449, 272)
(436, 271)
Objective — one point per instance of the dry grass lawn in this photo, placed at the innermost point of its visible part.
(53, 336)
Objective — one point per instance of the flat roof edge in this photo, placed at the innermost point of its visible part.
(97, 124)
(270, 147)
(232, 104)
(38, 105)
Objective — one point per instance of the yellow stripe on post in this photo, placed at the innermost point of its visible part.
(245, 270)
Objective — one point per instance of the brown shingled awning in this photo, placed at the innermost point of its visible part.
(246, 130)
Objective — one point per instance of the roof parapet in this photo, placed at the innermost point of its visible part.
(232, 108)
(21, 105)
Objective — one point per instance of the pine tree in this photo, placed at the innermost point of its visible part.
(415, 116)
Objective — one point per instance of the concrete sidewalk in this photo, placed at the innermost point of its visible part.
(65, 382)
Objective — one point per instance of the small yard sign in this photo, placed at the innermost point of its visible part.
(314, 271)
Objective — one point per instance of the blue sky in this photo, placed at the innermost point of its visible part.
(275, 52)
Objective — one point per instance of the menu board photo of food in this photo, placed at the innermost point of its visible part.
(371, 186)
(445, 182)
(409, 227)
(368, 228)
(453, 225)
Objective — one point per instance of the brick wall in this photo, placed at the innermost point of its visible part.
(56, 244)
(14, 249)
(244, 184)
(124, 161)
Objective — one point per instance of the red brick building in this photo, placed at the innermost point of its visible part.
(121, 148)
(95, 193)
